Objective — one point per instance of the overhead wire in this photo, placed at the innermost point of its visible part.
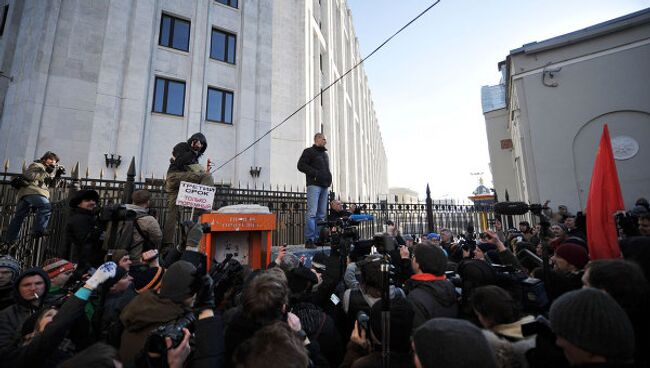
(329, 86)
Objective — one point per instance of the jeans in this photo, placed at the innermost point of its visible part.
(316, 208)
(43, 210)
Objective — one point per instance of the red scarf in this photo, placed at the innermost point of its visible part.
(427, 277)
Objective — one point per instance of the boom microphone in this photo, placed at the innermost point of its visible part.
(511, 208)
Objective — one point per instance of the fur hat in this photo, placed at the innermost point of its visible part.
(574, 254)
(179, 282)
(431, 259)
(56, 266)
(85, 194)
(447, 342)
(592, 320)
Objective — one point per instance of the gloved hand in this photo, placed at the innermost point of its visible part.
(205, 296)
(103, 273)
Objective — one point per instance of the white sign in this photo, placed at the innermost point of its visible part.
(195, 195)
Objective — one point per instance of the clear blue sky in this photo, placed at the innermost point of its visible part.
(426, 82)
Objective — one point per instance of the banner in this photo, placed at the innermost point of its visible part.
(195, 195)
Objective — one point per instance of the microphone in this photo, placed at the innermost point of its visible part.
(511, 208)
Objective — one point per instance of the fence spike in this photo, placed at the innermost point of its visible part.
(87, 172)
(101, 174)
(75, 171)
(262, 185)
(115, 174)
(24, 165)
(247, 185)
(6, 165)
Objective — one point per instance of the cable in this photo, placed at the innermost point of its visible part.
(328, 87)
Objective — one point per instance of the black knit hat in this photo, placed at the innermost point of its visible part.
(84, 194)
(179, 282)
(431, 259)
(147, 279)
(452, 343)
(592, 320)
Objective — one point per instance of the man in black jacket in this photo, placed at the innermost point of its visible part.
(314, 162)
(183, 166)
(83, 232)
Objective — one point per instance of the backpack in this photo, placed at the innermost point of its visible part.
(19, 182)
(125, 234)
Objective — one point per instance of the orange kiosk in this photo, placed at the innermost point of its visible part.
(245, 235)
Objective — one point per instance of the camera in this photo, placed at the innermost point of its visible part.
(156, 341)
(117, 212)
(344, 234)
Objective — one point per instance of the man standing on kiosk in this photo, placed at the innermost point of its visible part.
(183, 166)
(314, 162)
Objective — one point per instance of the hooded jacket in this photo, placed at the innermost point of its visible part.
(315, 163)
(183, 155)
(144, 313)
(13, 317)
(431, 299)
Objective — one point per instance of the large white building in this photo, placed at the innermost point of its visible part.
(545, 119)
(133, 78)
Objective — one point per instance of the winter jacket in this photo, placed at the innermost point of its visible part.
(146, 312)
(431, 298)
(81, 230)
(6, 296)
(46, 349)
(209, 339)
(183, 155)
(315, 164)
(38, 178)
(149, 227)
(13, 317)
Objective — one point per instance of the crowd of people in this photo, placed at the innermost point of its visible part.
(524, 297)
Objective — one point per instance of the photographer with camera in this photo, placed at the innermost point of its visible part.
(33, 195)
(83, 232)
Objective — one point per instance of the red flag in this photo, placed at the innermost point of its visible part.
(604, 200)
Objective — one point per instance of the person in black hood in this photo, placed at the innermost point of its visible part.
(183, 166)
(30, 290)
(314, 163)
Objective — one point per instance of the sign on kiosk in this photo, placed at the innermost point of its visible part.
(195, 195)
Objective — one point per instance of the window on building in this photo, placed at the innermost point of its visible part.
(5, 11)
(232, 3)
(174, 33)
(223, 46)
(220, 104)
(169, 96)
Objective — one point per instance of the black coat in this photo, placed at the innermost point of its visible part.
(184, 155)
(315, 163)
(209, 350)
(13, 317)
(82, 231)
(431, 299)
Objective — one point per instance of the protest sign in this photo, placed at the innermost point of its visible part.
(195, 195)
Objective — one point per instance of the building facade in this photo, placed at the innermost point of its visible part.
(545, 119)
(125, 78)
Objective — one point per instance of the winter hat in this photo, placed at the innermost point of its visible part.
(85, 194)
(452, 343)
(401, 323)
(486, 247)
(149, 279)
(178, 282)
(475, 272)
(119, 274)
(574, 254)
(592, 320)
(300, 278)
(576, 240)
(433, 236)
(12, 264)
(56, 266)
(563, 227)
(431, 259)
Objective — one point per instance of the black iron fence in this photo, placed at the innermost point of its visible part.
(288, 204)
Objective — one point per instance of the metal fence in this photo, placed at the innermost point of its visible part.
(289, 205)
